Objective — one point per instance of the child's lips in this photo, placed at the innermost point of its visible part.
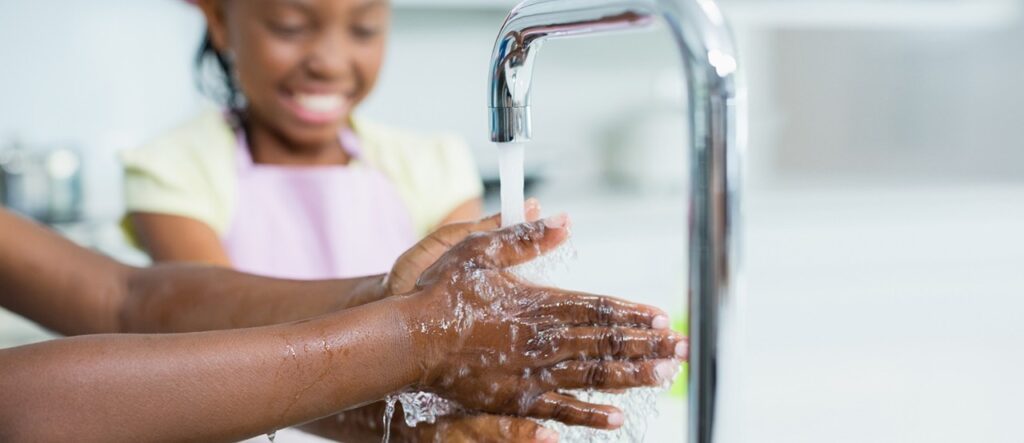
(317, 108)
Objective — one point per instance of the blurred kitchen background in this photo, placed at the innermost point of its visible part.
(883, 293)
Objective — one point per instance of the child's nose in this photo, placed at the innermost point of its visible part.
(331, 58)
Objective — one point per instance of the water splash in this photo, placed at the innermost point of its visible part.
(424, 407)
(543, 269)
(417, 407)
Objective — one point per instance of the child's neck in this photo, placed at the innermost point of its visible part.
(268, 147)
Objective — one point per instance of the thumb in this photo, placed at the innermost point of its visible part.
(417, 259)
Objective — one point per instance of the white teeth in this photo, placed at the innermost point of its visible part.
(320, 103)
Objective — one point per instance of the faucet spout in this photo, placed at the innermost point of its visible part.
(714, 113)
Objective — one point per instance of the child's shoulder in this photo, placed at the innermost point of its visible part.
(186, 171)
(205, 134)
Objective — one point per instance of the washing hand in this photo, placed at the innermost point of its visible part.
(409, 267)
(495, 343)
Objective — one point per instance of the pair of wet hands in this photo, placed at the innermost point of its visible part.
(506, 348)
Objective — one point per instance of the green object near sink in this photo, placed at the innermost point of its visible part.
(679, 387)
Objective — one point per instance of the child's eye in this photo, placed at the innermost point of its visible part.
(288, 30)
(365, 32)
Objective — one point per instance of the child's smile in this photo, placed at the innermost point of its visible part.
(302, 65)
(317, 108)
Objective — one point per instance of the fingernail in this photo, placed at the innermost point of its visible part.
(616, 419)
(682, 348)
(660, 322)
(546, 435)
(557, 222)
(666, 370)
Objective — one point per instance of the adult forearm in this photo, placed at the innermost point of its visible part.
(212, 386)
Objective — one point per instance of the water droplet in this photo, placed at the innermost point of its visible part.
(389, 410)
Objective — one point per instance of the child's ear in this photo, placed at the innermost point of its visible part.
(215, 22)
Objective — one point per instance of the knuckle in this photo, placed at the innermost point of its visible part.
(612, 341)
(596, 375)
(648, 375)
(478, 241)
(603, 311)
(449, 235)
(520, 428)
(650, 344)
(562, 412)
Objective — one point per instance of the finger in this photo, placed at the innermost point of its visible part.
(520, 243)
(493, 428)
(588, 343)
(578, 308)
(568, 410)
(611, 375)
(532, 209)
(457, 232)
(403, 276)
(417, 259)
(487, 428)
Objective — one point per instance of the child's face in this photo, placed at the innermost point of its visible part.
(302, 64)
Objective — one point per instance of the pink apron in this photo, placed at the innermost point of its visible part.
(316, 222)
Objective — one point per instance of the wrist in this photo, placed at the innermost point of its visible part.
(370, 350)
(349, 294)
(420, 318)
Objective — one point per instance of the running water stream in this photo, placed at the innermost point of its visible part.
(511, 157)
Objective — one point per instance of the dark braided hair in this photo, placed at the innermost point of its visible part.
(215, 76)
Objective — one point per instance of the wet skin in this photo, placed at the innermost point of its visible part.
(498, 344)
(230, 384)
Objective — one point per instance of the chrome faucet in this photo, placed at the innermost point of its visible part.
(715, 114)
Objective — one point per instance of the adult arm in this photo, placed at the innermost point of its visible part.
(209, 386)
